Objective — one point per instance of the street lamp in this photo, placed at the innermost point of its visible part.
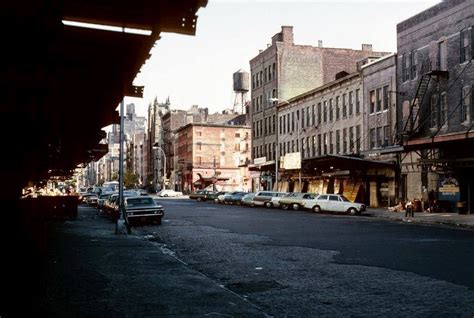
(277, 145)
(155, 147)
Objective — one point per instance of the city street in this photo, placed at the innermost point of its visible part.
(291, 263)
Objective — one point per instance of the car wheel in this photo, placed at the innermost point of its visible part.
(268, 204)
(199, 199)
(316, 209)
(165, 195)
(352, 211)
(284, 207)
(216, 200)
(295, 206)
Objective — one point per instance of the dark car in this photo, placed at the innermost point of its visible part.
(200, 195)
(143, 210)
(234, 197)
(212, 196)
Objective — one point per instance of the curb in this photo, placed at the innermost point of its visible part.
(451, 224)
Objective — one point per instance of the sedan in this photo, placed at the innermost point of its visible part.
(295, 200)
(333, 203)
(169, 193)
(143, 209)
(248, 199)
(200, 195)
(234, 197)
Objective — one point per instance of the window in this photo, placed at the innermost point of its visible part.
(344, 140)
(273, 70)
(237, 147)
(265, 126)
(386, 136)
(351, 106)
(330, 109)
(198, 160)
(337, 108)
(307, 117)
(293, 121)
(325, 114)
(199, 133)
(199, 145)
(280, 120)
(442, 56)
(313, 146)
(466, 115)
(288, 123)
(378, 105)
(237, 135)
(379, 137)
(302, 118)
(331, 149)
(344, 107)
(313, 120)
(338, 141)
(406, 66)
(413, 63)
(351, 139)
(357, 101)
(357, 138)
(443, 114)
(385, 97)
(325, 140)
(319, 113)
(319, 144)
(466, 52)
(372, 101)
(273, 124)
(372, 138)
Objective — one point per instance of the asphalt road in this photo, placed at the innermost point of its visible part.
(300, 264)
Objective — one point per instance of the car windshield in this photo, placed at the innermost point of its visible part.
(139, 201)
(343, 198)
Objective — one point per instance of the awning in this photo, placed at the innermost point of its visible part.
(327, 163)
(265, 166)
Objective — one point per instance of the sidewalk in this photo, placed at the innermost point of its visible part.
(450, 219)
(90, 271)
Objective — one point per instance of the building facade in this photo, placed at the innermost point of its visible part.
(212, 156)
(284, 70)
(435, 114)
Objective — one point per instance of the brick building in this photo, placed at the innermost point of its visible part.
(435, 115)
(212, 154)
(284, 70)
(379, 120)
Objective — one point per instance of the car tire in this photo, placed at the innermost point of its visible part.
(295, 206)
(165, 195)
(284, 207)
(352, 211)
(199, 199)
(316, 209)
(268, 204)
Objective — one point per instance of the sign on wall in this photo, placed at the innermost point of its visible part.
(292, 161)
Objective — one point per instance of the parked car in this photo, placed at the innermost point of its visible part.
(248, 199)
(334, 203)
(200, 195)
(169, 193)
(264, 197)
(220, 198)
(212, 196)
(102, 199)
(143, 210)
(295, 200)
(275, 201)
(234, 197)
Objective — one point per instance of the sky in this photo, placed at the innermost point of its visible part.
(197, 70)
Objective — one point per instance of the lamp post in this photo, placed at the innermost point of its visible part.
(277, 145)
(155, 147)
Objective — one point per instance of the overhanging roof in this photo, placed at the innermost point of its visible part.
(326, 163)
(60, 84)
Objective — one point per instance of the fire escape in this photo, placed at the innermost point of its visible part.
(427, 75)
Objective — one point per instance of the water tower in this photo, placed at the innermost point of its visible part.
(241, 88)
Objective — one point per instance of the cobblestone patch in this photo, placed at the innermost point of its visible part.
(301, 282)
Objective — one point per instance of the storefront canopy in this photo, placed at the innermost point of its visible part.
(333, 163)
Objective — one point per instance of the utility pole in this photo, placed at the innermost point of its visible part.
(214, 179)
(122, 220)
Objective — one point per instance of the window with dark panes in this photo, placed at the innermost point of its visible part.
(372, 101)
(338, 141)
(319, 113)
(466, 45)
(337, 108)
(344, 140)
(379, 137)
(357, 138)
(325, 141)
(443, 114)
(351, 103)
(372, 138)
(413, 63)
(344, 106)
(351, 139)
(313, 120)
(293, 121)
(357, 97)
(319, 144)
(378, 105)
(331, 149)
(386, 136)
(302, 118)
(330, 109)
(325, 109)
(385, 97)
(466, 103)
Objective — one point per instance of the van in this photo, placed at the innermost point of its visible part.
(262, 197)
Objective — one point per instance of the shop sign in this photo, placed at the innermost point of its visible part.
(259, 161)
(292, 161)
(448, 186)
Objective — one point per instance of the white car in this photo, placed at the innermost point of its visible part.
(169, 193)
(333, 203)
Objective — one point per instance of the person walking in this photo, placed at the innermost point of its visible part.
(431, 200)
(409, 209)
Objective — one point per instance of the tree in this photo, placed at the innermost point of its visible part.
(130, 180)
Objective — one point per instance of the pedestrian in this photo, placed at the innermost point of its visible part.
(431, 201)
(409, 209)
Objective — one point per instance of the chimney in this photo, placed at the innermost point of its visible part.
(367, 47)
(287, 34)
(320, 43)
